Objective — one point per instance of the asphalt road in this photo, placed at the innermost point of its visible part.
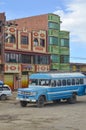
(61, 116)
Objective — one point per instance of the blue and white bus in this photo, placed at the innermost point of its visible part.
(54, 87)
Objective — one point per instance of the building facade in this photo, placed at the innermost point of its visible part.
(25, 52)
(58, 40)
(36, 45)
(58, 44)
(78, 67)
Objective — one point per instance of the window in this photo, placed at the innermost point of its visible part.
(6, 39)
(42, 42)
(41, 59)
(81, 81)
(63, 82)
(44, 82)
(64, 42)
(53, 25)
(53, 83)
(73, 81)
(24, 40)
(35, 41)
(58, 82)
(68, 81)
(64, 59)
(11, 57)
(12, 39)
(41, 82)
(54, 58)
(6, 88)
(53, 40)
(77, 81)
(25, 58)
(34, 82)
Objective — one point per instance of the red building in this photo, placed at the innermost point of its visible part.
(25, 51)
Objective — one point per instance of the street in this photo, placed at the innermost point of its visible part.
(61, 116)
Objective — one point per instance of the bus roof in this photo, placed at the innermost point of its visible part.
(56, 75)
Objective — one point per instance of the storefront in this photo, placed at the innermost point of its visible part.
(12, 75)
(27, 70)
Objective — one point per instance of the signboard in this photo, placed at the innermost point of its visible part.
(42, 68)
(28, 67)
(12, 68)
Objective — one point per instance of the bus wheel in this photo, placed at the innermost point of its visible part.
(23, 103)
(40, 102)
(72, 99)
(56, 101)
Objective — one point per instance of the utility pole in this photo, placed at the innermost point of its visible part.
(2, 48)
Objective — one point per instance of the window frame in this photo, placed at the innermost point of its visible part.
(24, 40)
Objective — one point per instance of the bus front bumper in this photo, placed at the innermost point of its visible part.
(26, 99)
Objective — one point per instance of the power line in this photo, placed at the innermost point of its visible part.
(81, 58)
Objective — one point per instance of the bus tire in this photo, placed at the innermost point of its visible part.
(72, 99)
(40, 102)
(23, 103)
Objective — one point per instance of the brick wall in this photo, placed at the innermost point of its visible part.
(2, 17)
(33, 23)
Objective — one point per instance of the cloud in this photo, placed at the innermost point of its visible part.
(73, 19)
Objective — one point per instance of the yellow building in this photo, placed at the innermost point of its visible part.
(78, 67)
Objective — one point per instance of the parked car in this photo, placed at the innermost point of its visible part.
(5, 92)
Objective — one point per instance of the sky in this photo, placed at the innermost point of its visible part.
(72, 14)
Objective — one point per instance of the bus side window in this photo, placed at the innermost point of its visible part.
(68, 81)
(47, 83)
(81, 81)
(39, 82)
(64, 82)
(73, 81)
(34, 82)
(77, 81)
(59, 83)
(53, 83)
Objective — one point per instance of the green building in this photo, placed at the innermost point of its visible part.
(58, 44)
